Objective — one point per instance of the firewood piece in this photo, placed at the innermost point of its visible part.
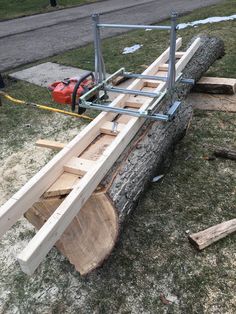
(208, 236)
(225, 153)
(216, 85)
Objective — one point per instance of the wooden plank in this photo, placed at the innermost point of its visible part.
(78, 165)
(208, 236)
(63, 185)
(216, 85)
(39, 246)
(188, 55)
(50, 144)
(210, 102)
(111, 128)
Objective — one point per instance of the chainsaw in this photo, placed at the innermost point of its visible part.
(69, 90)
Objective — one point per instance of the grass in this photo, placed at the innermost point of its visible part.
(153, 256)
(14, 8)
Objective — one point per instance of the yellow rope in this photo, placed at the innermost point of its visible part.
(22, 102)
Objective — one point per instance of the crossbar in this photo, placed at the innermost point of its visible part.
(131, 92)
(156, 27)
(129, 112)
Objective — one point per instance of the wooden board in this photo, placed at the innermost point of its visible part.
(216, 85)
(90, 144)
(208, 236)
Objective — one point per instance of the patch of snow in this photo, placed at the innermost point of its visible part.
(213, 19)
(131, 49)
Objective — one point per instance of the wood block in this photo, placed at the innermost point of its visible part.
(163, 67)
(216, 85)
(111, 128)
(79, 166)
(50, 144)
(179, 54)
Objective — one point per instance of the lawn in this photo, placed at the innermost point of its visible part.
(14, 8)
(153, 256)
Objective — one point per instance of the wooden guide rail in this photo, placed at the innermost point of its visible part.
(86, 160)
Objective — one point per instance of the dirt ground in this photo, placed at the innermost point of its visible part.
(153, 268)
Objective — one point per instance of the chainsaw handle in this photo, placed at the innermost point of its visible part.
(73, 102)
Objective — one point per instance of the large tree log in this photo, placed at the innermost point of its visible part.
(91, 236)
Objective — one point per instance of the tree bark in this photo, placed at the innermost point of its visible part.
(132, 172)
(91, 236)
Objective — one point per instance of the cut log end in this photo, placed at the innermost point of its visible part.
(90, 237)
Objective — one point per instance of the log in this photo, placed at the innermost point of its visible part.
(91, 236)
(225, 153)
(204, 238)
(216, 85)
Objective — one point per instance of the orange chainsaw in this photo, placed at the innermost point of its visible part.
(70, 90)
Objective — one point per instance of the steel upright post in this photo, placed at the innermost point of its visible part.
(96, 53)
(171, 68)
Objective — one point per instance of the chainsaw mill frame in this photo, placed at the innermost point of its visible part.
(104, 84)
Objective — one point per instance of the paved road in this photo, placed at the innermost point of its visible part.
(35, 37)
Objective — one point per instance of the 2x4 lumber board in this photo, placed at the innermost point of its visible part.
(188, 55)
(51, 231)
(111, 128)
(208, 236)
(216, 85)
(50, 144)
(78, 166)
